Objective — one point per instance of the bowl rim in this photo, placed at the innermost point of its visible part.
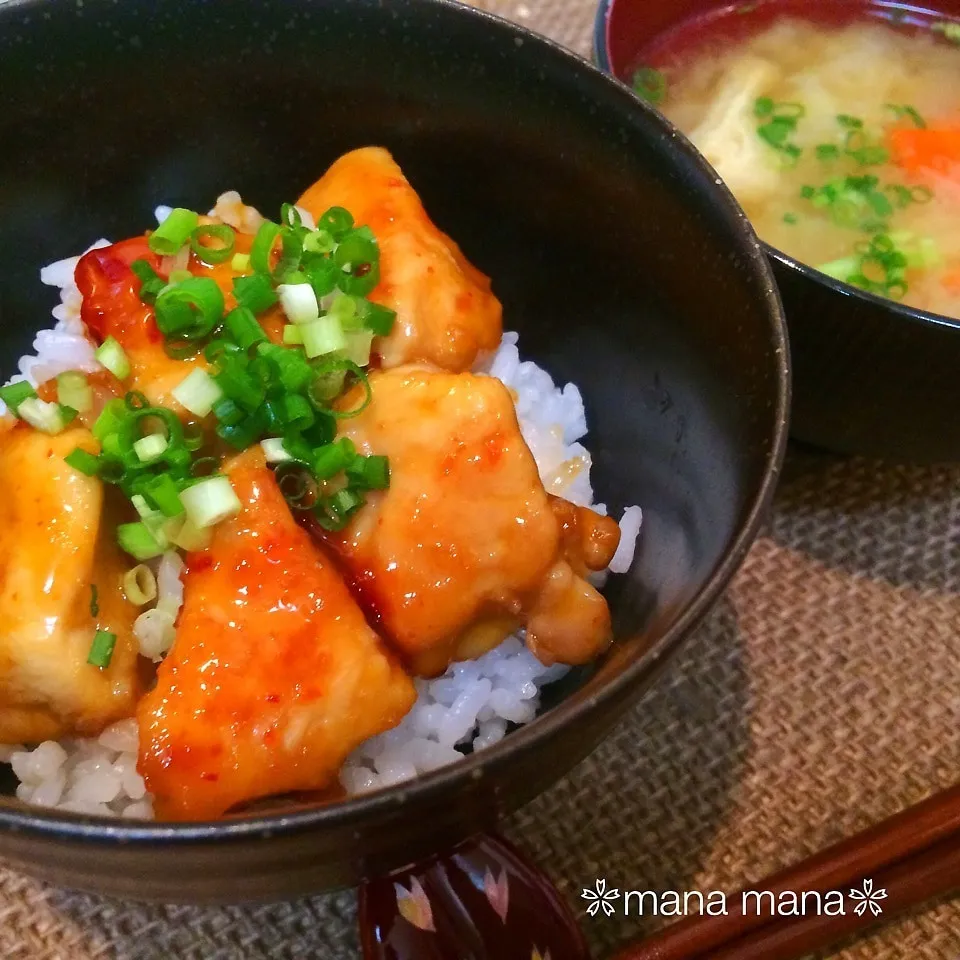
(914, 315)
(36, 822)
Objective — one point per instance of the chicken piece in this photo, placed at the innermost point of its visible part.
(57, 541)
(446, 313)
(274, 676)
(112, 307)
(464, 547)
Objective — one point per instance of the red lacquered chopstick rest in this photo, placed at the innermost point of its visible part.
(483, 900)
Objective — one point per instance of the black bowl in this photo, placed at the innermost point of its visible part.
(623, 264)
(871, 376)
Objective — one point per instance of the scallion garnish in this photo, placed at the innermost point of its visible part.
(213, 242)
(13, 394)
(101, 650)
(650, 85)
(210, 501)
(44, 416)
(83, 462)
(190, 310)
(174, 232)
(110, 354)
(198, 392)
(905, 110)
(74, 391)
(139, 541)
(779, 124)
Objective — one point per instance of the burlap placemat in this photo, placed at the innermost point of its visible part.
(820, 696)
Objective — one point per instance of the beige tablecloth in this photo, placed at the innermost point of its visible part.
(823, 694)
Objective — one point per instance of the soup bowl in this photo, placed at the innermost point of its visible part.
(871, 376)
(590, 214)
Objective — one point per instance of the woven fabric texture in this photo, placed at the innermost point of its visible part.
(820, 696)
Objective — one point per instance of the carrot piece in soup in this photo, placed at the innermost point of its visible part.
(933, 148)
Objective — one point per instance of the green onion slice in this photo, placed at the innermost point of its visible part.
(101, 650)
(174, 232)
(190, 310)
(220, 249)
(13, 394)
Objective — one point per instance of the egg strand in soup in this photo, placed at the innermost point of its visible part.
(842, 144)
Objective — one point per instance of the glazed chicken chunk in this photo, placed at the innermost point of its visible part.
(446, 314)
(274, 676)
(465, 546)
(56, 543)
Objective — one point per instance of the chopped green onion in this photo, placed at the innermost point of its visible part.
(827, 151)
(151, 283)
(297, 412)
(337, 222)
(240, 262)
(254, 292)
(101, 650)
(164, 493)
(299, 302)
(178, 276)
(650, 85)
(358, 347)
(292, 335)
(234, 380)
(74, 391)
(174, 232)
(139, 541)
(13, 394)
(140, 585)
(378, 319)
(369, 473)
(323, 275)
(112, 415)
(83, 462)
(319, 241)
(210, 501)
(244, 327)
(333, 513)
(850, 123)
(328, 461)
(790, 218)
(780, 121)
(949, 28)
(323, 336)
(198, 392)
(41, 415)
(865, 153)
(905, 110)
(151, 447)
(191, 309)
(110, 355)
(274, 450)
(224, 239)
(190, 537)
(228, 412)
(262, 248)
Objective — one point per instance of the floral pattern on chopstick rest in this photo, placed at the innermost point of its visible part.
(482, 899)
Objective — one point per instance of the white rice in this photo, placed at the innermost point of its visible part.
(470, 707)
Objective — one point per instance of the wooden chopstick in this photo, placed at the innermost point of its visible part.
(875, 851)
(931, 873)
